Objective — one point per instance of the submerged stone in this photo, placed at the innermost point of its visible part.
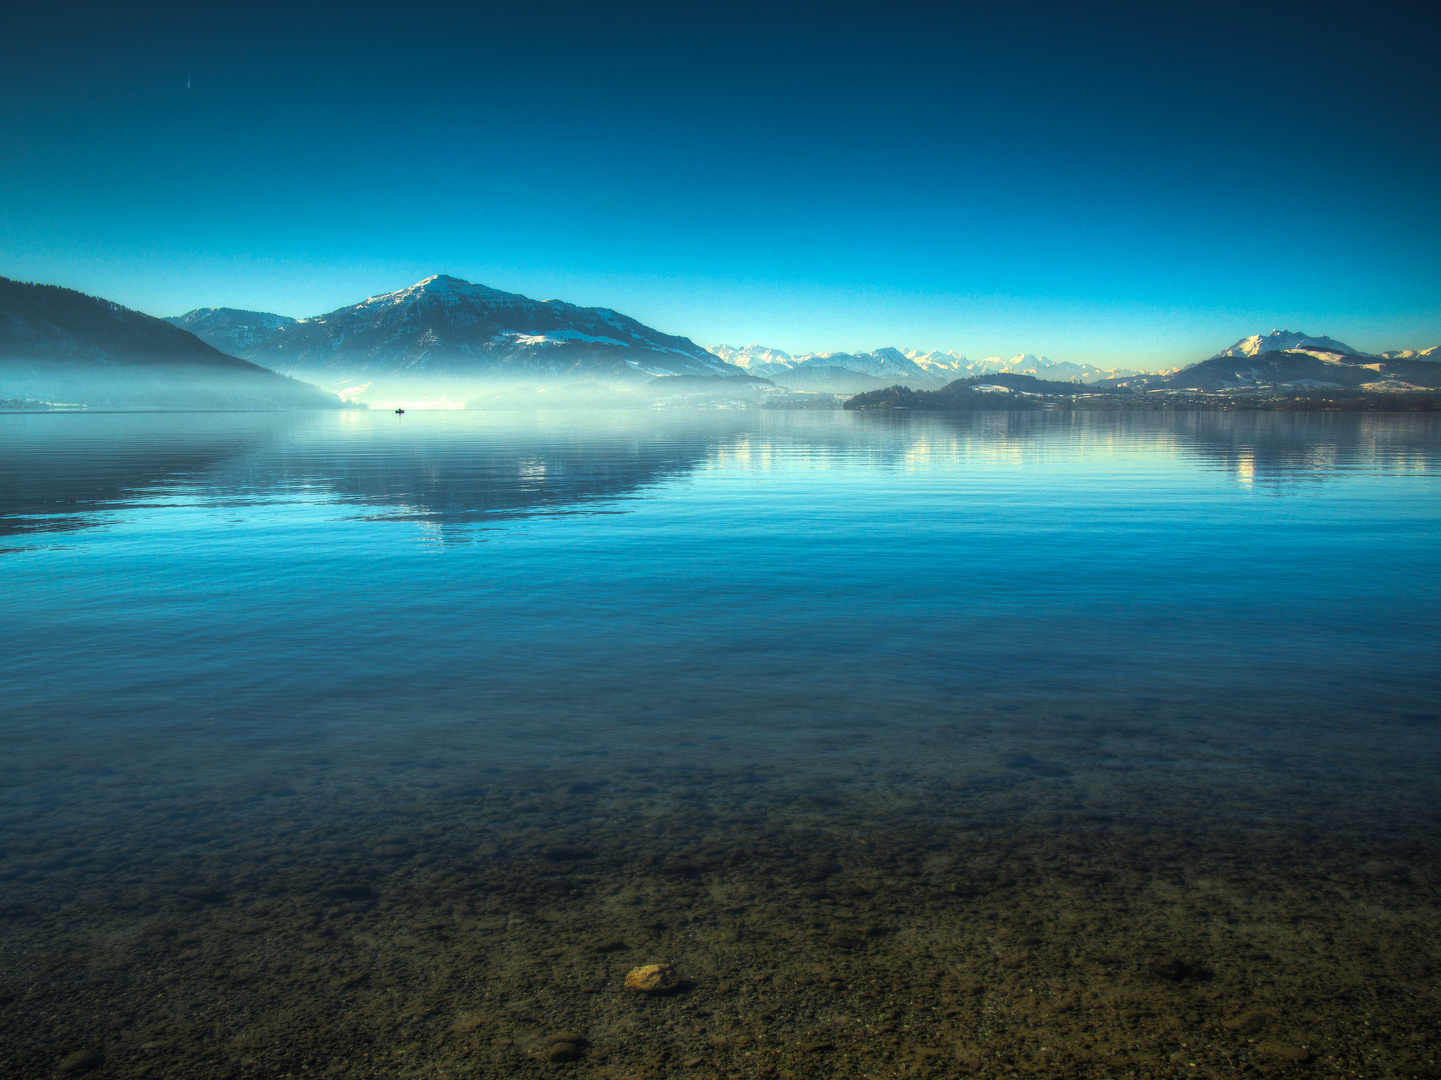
(1248, 1023)
(562, 1051)
(652, 979)
(81, 1061)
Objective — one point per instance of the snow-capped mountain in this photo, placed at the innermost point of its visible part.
(1029, 364)
(882, 364)
(833, 372)
(1284, 341)
(1297, 361)
(906, 367)
(229, 329)
(1321, 347)
(753, 356)
(444, 328)
(949, 364)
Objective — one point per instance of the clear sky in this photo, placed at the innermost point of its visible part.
(1113, 184)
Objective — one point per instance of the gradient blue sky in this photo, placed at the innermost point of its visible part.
(1112, 184)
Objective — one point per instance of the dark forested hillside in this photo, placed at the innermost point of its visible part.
(62, 346)
(997, 391)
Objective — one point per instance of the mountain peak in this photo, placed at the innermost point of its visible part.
(1282, 340)
(890, 354)
(446, 283)
(438, 288)
(754, 355)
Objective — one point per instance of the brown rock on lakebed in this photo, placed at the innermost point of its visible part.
(817, 1047)
(562, 1051)
(81, 1061)
(565, 1046)
(652, 979)
(1284, 1053)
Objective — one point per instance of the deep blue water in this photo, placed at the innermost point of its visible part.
(495, 586)
(509, 585)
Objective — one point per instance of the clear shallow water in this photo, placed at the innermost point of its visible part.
(832, 711)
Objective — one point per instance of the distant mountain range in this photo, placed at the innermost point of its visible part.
(1280, 364)
(1280, 358)
(61, 346)
(856, 372)
(445, 332)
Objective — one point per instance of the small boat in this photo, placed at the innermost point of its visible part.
(399, 412)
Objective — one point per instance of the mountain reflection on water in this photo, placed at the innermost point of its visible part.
(59, 471)
(1035, 744)
(65, 472)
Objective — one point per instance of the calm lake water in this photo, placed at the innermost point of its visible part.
(372, 745)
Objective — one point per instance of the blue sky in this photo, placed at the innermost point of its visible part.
(1113, 185)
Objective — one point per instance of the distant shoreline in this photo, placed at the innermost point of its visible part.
(902, 399)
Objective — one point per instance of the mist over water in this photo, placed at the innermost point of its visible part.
(369, 743)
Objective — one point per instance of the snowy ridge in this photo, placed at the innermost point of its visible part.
(1285, 340)
(908, 367)
(753, 356)
(883, 363)
(1433, 353)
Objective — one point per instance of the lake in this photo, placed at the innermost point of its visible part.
(1092, 744)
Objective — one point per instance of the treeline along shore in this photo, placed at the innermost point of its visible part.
(1022, 393)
